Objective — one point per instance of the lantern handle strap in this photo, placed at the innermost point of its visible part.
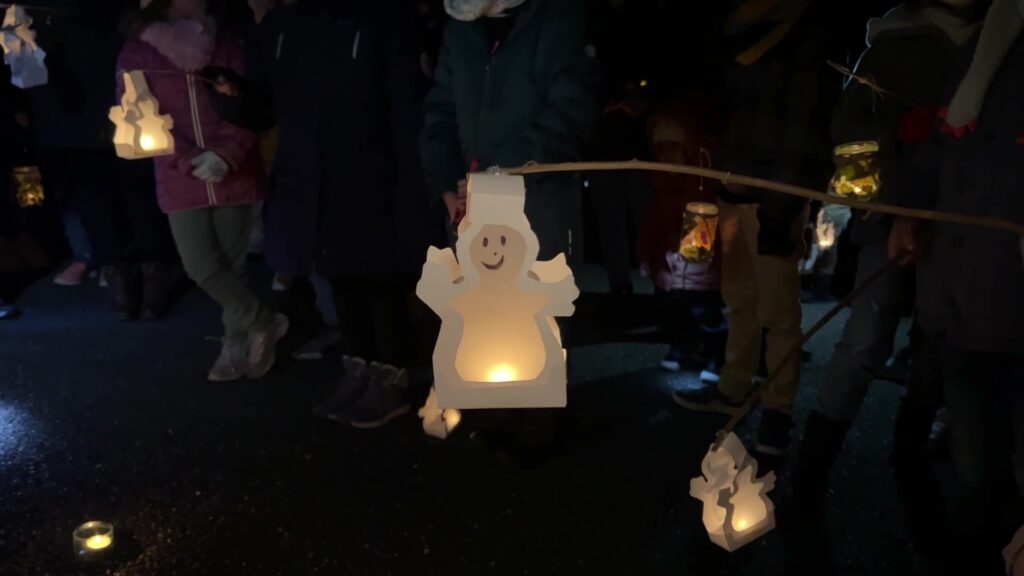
(793, 354)
(738, 179)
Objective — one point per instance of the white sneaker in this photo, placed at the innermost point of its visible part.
(263, 347)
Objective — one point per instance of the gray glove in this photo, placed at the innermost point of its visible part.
(209, 167)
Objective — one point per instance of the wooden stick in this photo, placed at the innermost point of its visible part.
(793, 355)
(727, 178)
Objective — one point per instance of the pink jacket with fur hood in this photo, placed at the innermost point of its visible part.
(172, 54)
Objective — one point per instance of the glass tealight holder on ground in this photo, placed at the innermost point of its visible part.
(700, 225)
(858, 172)
(28, 186)
(93, 540)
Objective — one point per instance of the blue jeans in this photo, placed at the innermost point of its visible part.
(867, 340)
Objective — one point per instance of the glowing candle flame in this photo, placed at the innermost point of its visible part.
(502, 373)
(146, 142)
(98, 542)
(741, 524)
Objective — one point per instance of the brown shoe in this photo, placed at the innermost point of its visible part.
(123, 290)
(159, 283)
(263, 346)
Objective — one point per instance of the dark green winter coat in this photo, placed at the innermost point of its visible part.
(533, 97)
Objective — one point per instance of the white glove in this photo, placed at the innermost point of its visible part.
(209, 167)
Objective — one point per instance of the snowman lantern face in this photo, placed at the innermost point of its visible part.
(141, 131)
(737, 510)
(499, 345)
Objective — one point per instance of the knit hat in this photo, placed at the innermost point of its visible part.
(1002, 27)
(469, 10)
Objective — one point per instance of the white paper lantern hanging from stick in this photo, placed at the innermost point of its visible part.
(499, 345)
(141, 131)
(21, 52)
(737, 509)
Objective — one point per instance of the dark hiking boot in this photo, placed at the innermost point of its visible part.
(159, 283)
(707, 399)
(774, 432)
(386, 397)
(353, 386)
(122, 288)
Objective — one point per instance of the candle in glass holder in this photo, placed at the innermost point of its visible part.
(700, 224)
(28, 184)
(93, 540)
(858, 174)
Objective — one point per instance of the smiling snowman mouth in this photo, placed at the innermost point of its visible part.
(495, 266)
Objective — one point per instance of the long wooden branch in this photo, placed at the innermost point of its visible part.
(730, 178)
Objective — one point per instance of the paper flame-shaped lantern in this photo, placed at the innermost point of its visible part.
(700, 225)
(499, 345)
(858, 173)
(21, 52)
(437, 422)
(28, 186)
(737, 509)
(141, 131)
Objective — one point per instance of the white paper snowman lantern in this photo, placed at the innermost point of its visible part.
(21, 52)
(737, 509)
(141, 131)
(499, 345)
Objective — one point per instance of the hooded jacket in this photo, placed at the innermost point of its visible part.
(533, 97)
(172, 55)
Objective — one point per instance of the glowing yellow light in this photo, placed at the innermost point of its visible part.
(741, 524)
(99, 542)
(502, 373)
(452, 418)
(147, 143)
(643, 83)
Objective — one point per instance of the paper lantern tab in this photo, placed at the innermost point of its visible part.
(499, 345)
(141, 131)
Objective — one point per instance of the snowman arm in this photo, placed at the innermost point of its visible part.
(562, 296)
(437, 284)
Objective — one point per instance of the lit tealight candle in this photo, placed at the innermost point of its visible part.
(502, 373)
(93, 540)
(146, 142)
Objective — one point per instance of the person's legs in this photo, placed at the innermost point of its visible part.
(981, 404)
(740, 287)
(867, 339)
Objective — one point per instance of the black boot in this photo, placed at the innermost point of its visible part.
(160, 281)
(918, 488)
(808, 547)
(123, 289)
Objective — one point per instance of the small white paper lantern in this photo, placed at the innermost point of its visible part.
(21, 52)
(737, 509)
(437, 422)
(141, 131)
(499, 345)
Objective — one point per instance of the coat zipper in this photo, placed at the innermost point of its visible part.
(487, 91)
(197, 127)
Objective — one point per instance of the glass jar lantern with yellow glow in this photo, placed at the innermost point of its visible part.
(28, 186)
(858, 171)
(700, 225)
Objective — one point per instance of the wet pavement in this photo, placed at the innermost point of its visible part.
(111, 421)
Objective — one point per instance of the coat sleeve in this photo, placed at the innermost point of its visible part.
(405, 89)
(230, 142)
(572, 85)
(441, 152)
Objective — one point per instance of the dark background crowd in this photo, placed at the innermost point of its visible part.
(331, 140)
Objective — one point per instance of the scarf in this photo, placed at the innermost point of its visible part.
(1002, 27)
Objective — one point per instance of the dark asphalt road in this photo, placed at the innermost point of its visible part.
(101, 420)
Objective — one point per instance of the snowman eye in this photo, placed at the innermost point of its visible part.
(502, 240)
(486, 242)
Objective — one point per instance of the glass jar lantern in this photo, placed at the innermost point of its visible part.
(28, 186)
(93, 540)
(858, 171)
(700, 225)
